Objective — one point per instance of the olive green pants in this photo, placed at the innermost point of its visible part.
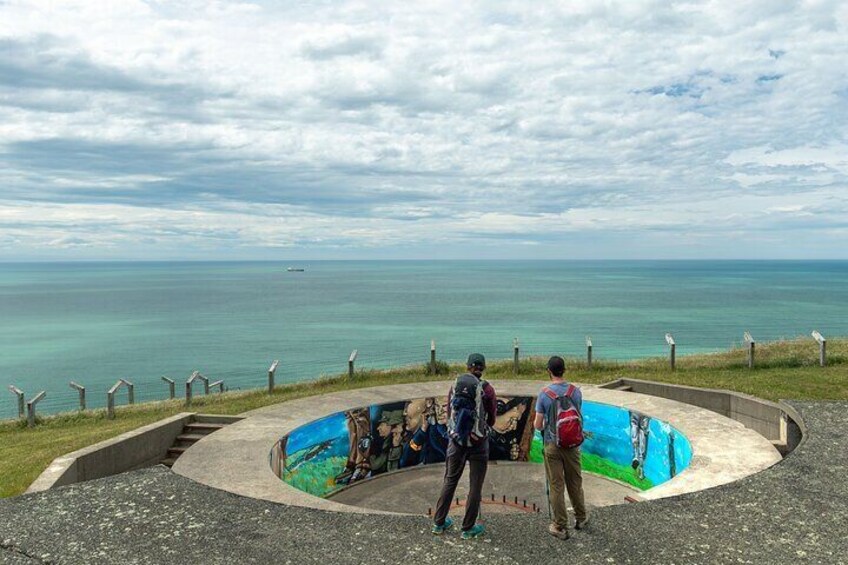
(562, 466)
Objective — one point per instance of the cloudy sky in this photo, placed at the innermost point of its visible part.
(278, 130)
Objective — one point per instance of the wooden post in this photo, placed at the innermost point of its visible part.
(21, 403)
(31, 408)
(219, 384)
(671, 354)
(272, 370)
(589, 351)
(749, 342)
(350, 363)
(171, 387)
(130, 391)
(432, 356)
(81, 390)
(822, 348)
(515, 367)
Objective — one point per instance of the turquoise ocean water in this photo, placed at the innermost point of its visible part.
(97, 322)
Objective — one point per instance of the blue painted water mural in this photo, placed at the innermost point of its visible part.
(623, 445)
(611, 436)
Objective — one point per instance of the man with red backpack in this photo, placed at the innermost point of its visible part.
(472, 408)
(560, 419)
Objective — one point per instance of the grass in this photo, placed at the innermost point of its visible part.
(786, 369)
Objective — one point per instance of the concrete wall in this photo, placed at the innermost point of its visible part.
(139, 448)
(771, 420)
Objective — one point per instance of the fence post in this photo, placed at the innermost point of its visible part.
(21, 403)
(130, 391)
(171, 387)
(271, 372)
(31, 408)
(671, 354)
(515, 355)
(589, 351)
(749, 342)
(822, 348)
(81, 390)
(194, 376)
(432, 356)
(219, 384)
(110, 396)
(350, 363)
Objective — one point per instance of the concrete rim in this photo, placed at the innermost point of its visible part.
(236, 459)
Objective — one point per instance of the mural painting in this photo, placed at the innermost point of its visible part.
(343, 448)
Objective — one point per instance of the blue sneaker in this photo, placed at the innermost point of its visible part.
(439, 530)
(476, 531)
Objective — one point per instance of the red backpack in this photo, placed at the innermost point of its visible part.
(564, 421)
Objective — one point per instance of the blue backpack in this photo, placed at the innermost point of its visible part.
(468, 418)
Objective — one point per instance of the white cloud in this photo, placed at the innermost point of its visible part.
(151, 127)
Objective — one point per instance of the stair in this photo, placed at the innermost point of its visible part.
(194, 431)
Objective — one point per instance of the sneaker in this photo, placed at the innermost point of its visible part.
(476, 531)
(557, 532)
(439, 530)
(581, 524)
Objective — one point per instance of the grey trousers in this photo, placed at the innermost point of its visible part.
(478, 461)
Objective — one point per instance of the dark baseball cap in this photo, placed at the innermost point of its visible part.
(556, 365)
(476, 360)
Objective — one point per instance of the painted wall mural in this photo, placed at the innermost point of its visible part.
(338, 450)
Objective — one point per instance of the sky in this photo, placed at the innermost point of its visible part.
(189, 130)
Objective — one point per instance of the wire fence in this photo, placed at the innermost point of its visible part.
(325, 357)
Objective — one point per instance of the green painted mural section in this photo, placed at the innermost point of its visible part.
(318, 477)
(598, 465)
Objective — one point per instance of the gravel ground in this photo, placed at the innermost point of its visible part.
(797, 511)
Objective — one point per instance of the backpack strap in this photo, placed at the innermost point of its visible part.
(570, 395)
(549, 393)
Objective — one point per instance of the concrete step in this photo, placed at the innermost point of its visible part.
(216, 419)
(190, 438)
(194, 432)
(201, 428)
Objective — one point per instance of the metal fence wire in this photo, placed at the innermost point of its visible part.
(333, 358)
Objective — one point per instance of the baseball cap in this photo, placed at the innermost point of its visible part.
(556, 365)
(476, 360)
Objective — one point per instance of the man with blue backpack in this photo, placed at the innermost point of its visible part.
(559, 416)
(472, 407)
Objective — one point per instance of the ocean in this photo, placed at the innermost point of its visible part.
(97, 322)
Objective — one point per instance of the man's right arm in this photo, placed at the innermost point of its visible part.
(539, 422)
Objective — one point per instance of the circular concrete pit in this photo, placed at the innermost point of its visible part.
(355, 451)
(509, 488)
